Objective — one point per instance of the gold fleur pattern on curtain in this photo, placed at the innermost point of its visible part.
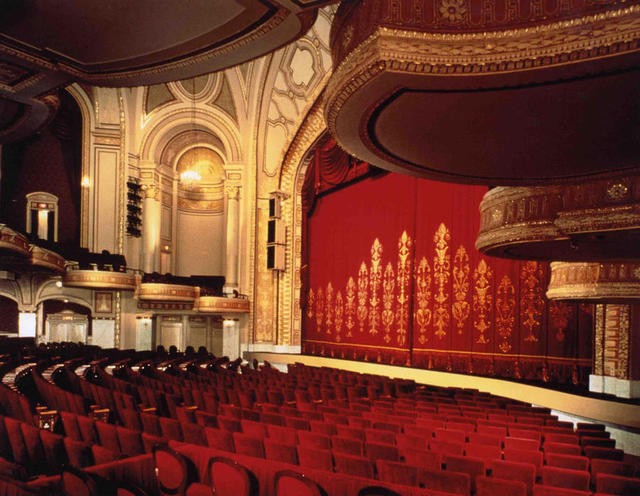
(441, 274)
(329, 308)
(505, 312)
(559, 315)
(319, 309)
(423, 299)
(363, 285)
(375, 280)
(388, 286)
(403, 276)
(482, 299)
(310, 304)
(339, 315)
(350, 306)
(460, 308)
(531, 300)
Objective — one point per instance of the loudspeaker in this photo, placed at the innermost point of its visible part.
(275, 257)
(275, 207)
(275, 231)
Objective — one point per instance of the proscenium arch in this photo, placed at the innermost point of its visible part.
(292, 175)
(167, 125)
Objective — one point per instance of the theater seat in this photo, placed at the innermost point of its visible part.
(321, 459)
(564, 477)
(617, 484)
(490, 486)
(174, 471)
(229, 478)
(397, 473)
(290, 483)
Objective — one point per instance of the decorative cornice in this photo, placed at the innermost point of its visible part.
(219, 304)
(153, 291)
(604, 282)
(99, 279)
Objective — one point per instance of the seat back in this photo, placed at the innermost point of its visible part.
(174, 471)
(290, 483)
(229, 478)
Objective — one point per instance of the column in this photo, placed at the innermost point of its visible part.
(231, 252)
(150, 227)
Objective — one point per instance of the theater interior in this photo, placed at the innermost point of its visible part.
(304, 247)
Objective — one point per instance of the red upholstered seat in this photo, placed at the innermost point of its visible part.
(247, 445)
(230, 478)
(542, 490)
(70, 426)
(321, 459)
(193, 433)
(323, 428)
(219, 439)
(150, 423)
(450, 435)
(230, 424)
(567, 461)
(375, 451)
(254, 429)
(78, 452)
(404, 441)
(87, 429)
(617, 484)
(521, 443)
(75, 482)
(55, 454)
(442, 480)
(473, 466)
(130, 441)
(562, 448)
(561, 438)
(603, 442)
(280, 452)
(206, 419)
(284, 435)
(535, 457)
(377, 491)
(397, 473)
(490, 486)
(316, 440)
(431, 460)
(35, 450)
(564, 477)
(340, 444)
(525, 472)
(613, 467)
(297, 423)
(446, 447)
(171, 429)
(483, 451)
(354, 465)
(606, 453)
(174, 471)
(349, 431)
(290, 483)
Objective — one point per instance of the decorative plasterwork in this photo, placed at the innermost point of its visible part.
(13, 241)
(47, 259)
(167, 292)
(594, 281)
(569, 222)
(382, 66)
(99, 279)
(218, 304)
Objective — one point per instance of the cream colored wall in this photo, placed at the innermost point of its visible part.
(200, 244)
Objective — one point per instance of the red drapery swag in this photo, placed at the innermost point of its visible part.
(394, 277)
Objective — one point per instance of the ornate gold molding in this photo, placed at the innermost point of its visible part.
(167, 292)
(99, 279)
(594, 281)
(219, 304)
(13, 241)
(47, 259)
(528, 220)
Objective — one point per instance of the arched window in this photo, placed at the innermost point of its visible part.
(42, 215)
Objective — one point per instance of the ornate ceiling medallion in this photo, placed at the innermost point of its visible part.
(477, 91)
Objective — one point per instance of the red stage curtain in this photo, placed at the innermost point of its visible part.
(394, 277)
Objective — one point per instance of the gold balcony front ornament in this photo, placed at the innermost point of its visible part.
(593, 281)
